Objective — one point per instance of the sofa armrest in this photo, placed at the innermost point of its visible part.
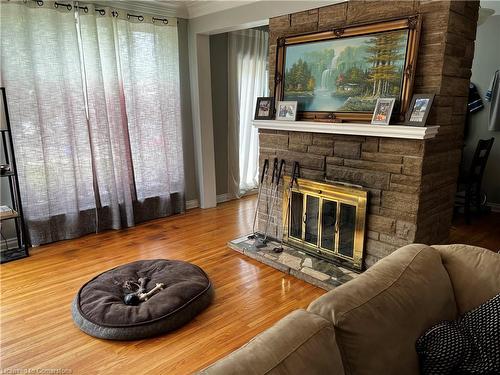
(380, 314)
(300, 343)
(474, 274)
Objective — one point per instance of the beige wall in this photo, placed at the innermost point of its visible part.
(187, 120)
(486, 62)
(218, 69)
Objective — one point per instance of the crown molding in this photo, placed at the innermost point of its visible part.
(181, 9)
(151, 7)
(202, 8)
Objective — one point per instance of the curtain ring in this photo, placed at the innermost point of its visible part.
(164, 20)
(102, 12)
(114, 13)
(85, 9)
(68, 6)
(140, 18)
(39, 3)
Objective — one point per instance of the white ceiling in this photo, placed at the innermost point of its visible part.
(179, 8)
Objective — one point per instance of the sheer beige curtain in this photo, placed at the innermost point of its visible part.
(132, 77)
(247, 80)
(40, 70)
(95, 115)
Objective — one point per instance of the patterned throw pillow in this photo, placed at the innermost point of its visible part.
(469, 345)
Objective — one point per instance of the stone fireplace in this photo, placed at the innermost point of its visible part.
(410, 180)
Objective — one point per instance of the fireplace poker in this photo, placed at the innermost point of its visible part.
(293, 180)
(274, 197)
(265, 173)
(259, 243)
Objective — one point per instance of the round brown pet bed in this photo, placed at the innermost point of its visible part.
(178, 291)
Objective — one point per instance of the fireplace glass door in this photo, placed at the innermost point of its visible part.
(311, 216)
(326, 223)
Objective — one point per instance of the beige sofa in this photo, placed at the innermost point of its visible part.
(370, 324)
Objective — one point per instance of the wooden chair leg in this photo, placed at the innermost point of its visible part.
(467, 203)
(478, 199)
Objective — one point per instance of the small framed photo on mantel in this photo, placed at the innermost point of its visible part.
(286, 111)
(419, 109)
(383, 111)
(265, 108)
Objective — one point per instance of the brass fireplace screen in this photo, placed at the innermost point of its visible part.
(326, 220)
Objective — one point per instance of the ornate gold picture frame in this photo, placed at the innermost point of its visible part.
(337, 75)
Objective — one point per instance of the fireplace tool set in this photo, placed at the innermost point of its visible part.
(271, 199)
(264, 174)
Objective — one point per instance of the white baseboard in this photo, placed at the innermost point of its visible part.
(221, 198)
(193, 203)
(495, 207)
(229, 197)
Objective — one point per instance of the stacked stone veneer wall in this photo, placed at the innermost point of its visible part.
(411, 183)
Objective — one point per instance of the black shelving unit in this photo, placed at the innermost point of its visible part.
(20, 250)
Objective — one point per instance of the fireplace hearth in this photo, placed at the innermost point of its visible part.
(304, 266)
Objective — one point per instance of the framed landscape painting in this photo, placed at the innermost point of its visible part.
(340, 74)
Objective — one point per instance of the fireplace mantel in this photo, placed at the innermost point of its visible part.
(391, 131)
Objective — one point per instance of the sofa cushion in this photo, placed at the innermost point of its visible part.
(474, 273)
(300, 343)
(379, 316)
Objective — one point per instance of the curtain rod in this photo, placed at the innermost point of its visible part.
(40, 3)
(102, 12)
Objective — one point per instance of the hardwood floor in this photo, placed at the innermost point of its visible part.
(36, 327)
(37, 331)
(484, 231)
